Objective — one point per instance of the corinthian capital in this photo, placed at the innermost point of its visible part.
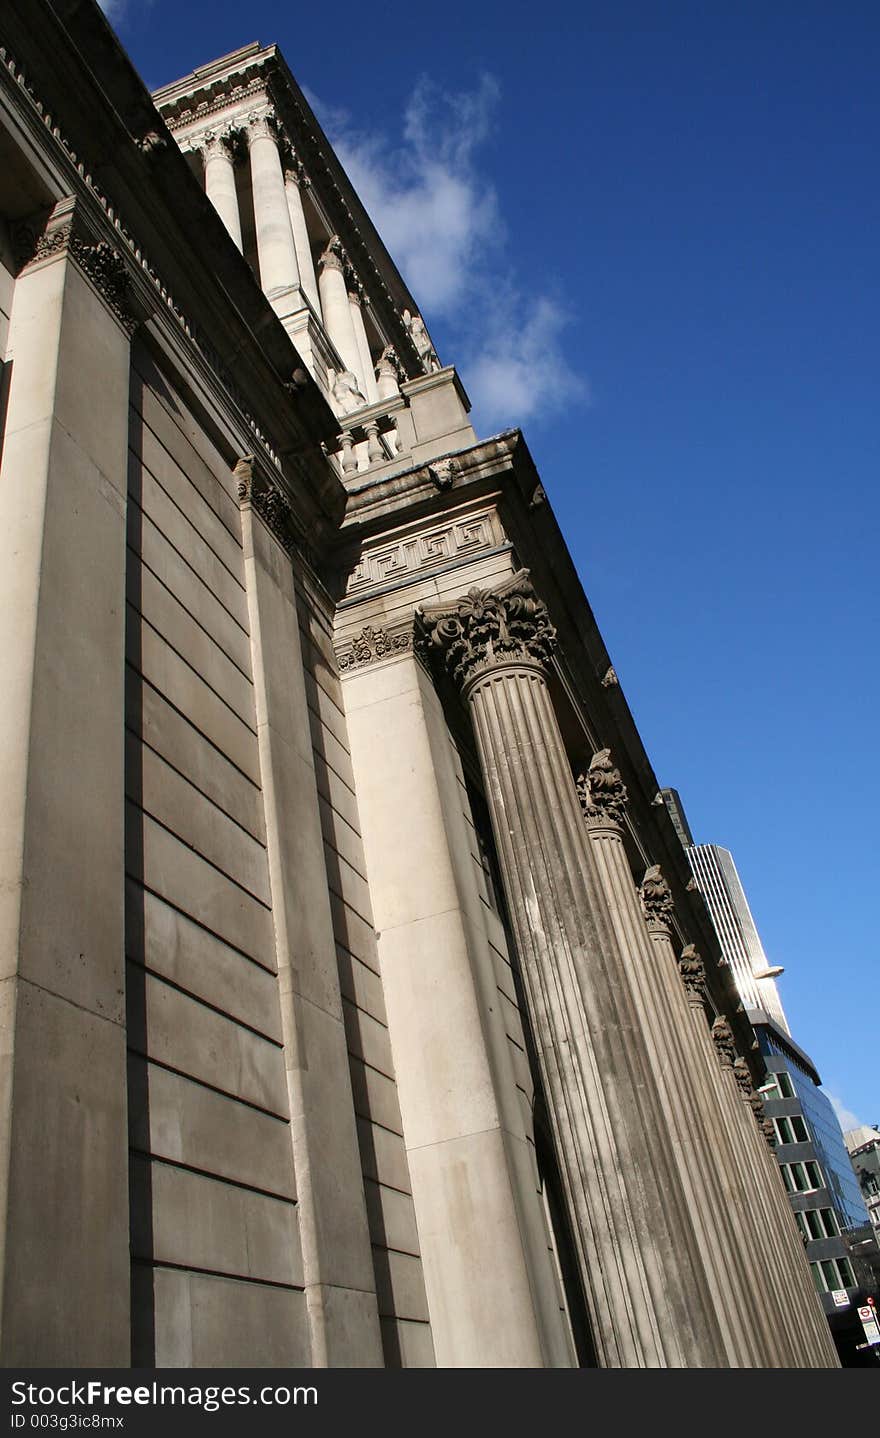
(725, 1044)
(754, 1100)
(601, 790)
(334, 256)
(261, 125)
(693, 972)
(486, 629)
(657, 902)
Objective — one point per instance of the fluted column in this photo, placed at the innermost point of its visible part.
(294, 182)
(662, 1017)
(279, 270)
(337, 310)
(220, 182)
(365, 372)
(782, 1244)
(646, 1286)
(710, 1134)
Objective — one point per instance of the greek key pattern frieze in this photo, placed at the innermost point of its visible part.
(423, 551)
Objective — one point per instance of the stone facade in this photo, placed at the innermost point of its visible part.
(353, 1009)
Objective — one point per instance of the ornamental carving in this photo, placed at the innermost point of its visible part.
(754, 1100)
(656, 897)
(268, 501)
(489, 628)
(693, 971)
(389, 364)
(334, 256)
(442, 472)
(725, 1045)
(602, 791)
(108, 272)
(373, 644)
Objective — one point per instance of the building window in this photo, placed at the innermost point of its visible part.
(817, 1223)
(778, 1085)
(802, 1177)
(791, 1130)
(831, 1273)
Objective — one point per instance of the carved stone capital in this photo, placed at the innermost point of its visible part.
(273, 507)
(487, 629)
(64, 232)
(261, 125)
(693, 973)
(334, 256)
(725, 1045)
(373, 644)
(656, 897)
(601, 790)
(754, 1100)
(217, 143)
(389, 364)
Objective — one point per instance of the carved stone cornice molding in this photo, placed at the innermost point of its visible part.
(14, 78)
(693, 973)
(486, 630)
(657, 901)
(602, 791)
(63, 232)
(725, 1044)
(373, 644)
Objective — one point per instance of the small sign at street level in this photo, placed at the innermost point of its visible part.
(840, 1298)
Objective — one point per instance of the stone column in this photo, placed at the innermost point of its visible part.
(294, 183)
(220, 182)
(279, 270)
(697, 1156)
(646, 1285)
(780, 1242)
(337, 310)
(708, 1133)
(64, 1259)
(365, 372)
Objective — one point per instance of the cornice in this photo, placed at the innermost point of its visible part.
(287, 435)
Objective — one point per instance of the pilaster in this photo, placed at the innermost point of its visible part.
(339, 1279)
(63, 1132)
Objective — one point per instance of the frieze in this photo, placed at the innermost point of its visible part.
(459, 537)
(373, 644)
(602, 791)
(488, 628)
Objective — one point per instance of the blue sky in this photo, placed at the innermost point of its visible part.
(648, 233)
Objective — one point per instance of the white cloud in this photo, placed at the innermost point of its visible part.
(112, 8)
(846, 1118)
(440, 218)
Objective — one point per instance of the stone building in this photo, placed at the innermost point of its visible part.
(349, 951)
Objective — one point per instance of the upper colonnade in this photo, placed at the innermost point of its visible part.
(285, 201)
